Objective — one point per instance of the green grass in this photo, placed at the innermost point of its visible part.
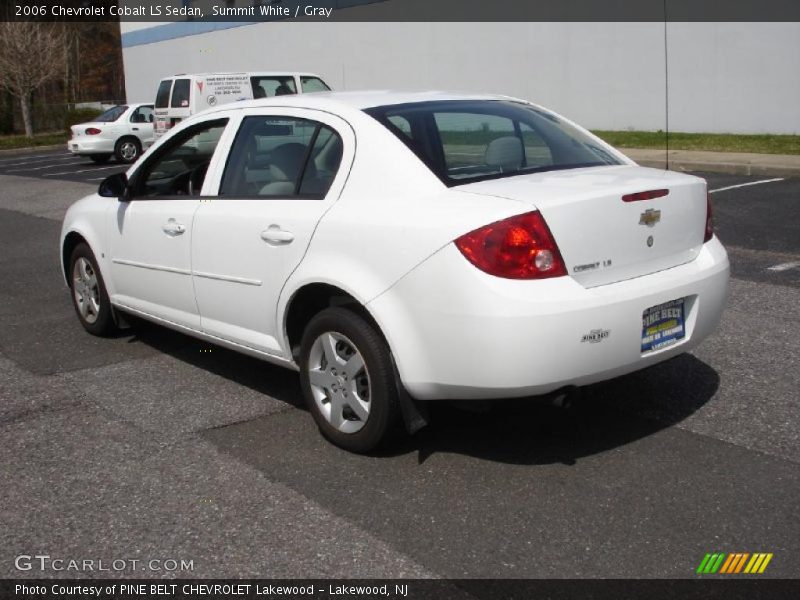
(8, 142)
(716, 142)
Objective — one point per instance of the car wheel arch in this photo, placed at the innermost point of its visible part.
(312, 298)
(71, 240)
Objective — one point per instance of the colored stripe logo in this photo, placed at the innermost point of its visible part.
(736, 562)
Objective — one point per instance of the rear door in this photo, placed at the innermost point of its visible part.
(161, 109)
(285, 169)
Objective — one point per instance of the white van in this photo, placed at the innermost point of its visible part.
(180, 96)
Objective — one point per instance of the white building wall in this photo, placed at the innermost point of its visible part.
(723, 77)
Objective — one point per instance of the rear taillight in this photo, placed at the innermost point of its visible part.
(520, 247)
(92, 131)
(709, 220)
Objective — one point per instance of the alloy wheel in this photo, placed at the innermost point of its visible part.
(340, 382)
(86, 290)
(128, 151)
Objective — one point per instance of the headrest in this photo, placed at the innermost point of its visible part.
(505, 153)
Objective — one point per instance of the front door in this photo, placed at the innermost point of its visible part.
(141, 123)
(150, 235)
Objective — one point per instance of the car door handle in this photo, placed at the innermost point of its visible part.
(172, 227)
(276, 236)
(135, 128)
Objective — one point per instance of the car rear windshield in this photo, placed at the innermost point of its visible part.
(112, 114)
(162, 96)
(471, 140)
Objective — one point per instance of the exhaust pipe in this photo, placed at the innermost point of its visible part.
(566, 397)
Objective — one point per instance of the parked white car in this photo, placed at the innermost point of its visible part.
(123, 131)
(402, 247)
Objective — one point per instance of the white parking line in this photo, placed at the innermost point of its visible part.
(81, 171)
(733, 187)
(36, 158)
(26, 169)
(784, 266)
(54, 162)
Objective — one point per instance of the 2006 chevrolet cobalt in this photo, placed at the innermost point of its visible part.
(402, 246)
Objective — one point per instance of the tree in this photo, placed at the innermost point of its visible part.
(31, 54)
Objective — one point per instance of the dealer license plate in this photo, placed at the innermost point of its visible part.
(663, 325)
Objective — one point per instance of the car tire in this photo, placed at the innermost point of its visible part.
(355, 407)
(88, 291)
(100, 159)
(127, 149)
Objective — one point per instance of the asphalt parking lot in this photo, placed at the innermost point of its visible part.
(58, 165)
(153, 445)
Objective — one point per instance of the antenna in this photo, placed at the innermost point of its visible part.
(666, 91)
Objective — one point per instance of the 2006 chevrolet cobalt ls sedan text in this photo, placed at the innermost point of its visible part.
(400, 246)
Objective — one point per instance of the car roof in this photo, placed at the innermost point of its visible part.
(213, 73)
(359, 100)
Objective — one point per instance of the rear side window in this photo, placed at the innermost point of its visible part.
(162, 96)
(463, 141)
(282, 157)
(313, 84)
(180, 93)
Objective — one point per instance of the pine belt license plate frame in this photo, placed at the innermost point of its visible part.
(663, 325)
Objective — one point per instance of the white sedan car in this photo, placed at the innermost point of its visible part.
(123, 131)
(402, 247)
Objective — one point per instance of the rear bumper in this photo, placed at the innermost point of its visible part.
(457, 332)
(86, 146)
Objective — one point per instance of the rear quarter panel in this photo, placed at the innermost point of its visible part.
(393, 213)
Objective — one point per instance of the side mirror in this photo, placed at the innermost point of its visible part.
(115, 186)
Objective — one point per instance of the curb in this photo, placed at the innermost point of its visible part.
(28, 150)
(724, 167)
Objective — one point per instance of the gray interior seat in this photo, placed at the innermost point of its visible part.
(286, 164)
(505, 153)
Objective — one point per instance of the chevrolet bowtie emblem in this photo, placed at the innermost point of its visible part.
(650, 217)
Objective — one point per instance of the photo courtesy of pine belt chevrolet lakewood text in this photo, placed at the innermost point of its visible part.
(397, 248)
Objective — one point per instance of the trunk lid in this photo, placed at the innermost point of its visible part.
(602, 238)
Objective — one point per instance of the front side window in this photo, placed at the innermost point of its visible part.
(162, 96)
(143, 114)
(313, 84)
(179, 168)
(112, 114)
(180, 93)
(282, 157)
(464, 141)
(267, 87)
